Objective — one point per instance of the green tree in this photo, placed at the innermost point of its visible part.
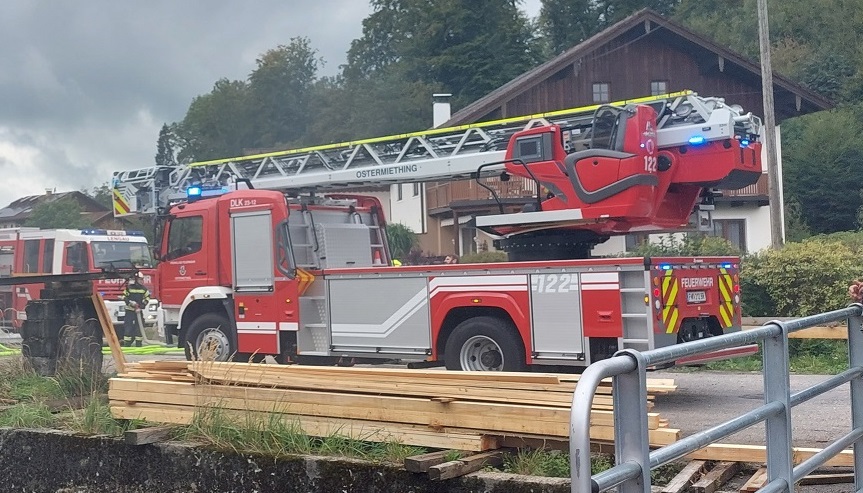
(101, 194)
(165, 148)
(280, 91)
(470, 48)
(217, 125)
(61, 213)
(565, 23)
(401, 239)
(822, 156)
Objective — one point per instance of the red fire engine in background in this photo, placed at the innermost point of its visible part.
(272, 271)
(26, 251)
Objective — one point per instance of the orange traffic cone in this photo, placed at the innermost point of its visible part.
(378, 260)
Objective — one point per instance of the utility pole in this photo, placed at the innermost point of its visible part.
(769, 135)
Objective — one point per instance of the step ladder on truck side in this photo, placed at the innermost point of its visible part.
(598, 171)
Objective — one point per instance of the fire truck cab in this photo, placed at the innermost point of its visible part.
(64, 251)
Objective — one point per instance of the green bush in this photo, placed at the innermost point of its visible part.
(483, 258)
(851, 239)
(798, 280)
(689, 245)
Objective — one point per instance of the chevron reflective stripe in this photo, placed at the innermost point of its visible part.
(306, 280)
(121, 206)
(726, 305)
(670, 313)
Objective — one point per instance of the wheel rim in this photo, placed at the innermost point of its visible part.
(213, 345)
(481, 353)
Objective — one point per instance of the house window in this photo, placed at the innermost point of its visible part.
(399, 191)
(733, 230)
(658, 87)
(635, 240)
(416, 189)
(601, 92)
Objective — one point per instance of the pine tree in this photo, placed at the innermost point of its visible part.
(165, 148)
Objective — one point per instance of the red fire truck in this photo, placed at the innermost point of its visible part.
(261, 271)
(26, 251)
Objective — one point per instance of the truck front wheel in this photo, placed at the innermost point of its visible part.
(208, 338)
(484, 344)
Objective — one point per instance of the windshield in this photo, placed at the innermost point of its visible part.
(105, 252)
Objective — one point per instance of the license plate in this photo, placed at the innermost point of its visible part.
(696, 296)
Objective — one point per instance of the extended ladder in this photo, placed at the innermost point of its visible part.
(441, 154)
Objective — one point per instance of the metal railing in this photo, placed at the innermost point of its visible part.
(633, 457)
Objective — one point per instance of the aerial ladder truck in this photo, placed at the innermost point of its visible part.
(268, 255)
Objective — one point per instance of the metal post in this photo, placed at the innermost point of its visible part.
(631, 442)
(855, 359)
(769, 138)
(777, 388)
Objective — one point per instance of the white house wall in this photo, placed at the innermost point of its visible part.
(409, 210)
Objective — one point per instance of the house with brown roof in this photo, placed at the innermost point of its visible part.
(644, 54)
(93, 213)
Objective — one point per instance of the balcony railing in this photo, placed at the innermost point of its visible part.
(439, 195)
(757, 189)
(443, 194)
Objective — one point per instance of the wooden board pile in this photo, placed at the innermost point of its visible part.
(429, 408)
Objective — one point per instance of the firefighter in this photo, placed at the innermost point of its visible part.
(136, 296)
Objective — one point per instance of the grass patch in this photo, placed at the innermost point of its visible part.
(27, 415)
(273, 435)
(805, 356)
(96, 419)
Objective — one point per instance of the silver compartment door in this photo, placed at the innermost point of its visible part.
(252, 242)
(380, 315)
(556, 314)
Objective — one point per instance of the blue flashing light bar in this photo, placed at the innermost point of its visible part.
(196, 192)
(744, 142)
(697, 140)
(110, 232)
(665, 266)
(726, 265)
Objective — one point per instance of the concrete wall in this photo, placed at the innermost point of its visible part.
(51, 462)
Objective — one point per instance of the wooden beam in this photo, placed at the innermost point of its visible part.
(422, 463)
(758, 454)
(144, 436)
(466, 465)
(833, 478)
(369, 431)
(109, 332)
(756, 481)
(716, 477)
(688, 475)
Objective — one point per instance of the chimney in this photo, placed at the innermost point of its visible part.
(440, 109)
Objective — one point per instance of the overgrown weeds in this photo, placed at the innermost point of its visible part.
(27, 415)
(806, 356)
(95, 419)
(276, 435)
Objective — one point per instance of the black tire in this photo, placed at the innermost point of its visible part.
(214, 330)
(485, 344)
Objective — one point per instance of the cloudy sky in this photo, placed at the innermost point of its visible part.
(86, 86)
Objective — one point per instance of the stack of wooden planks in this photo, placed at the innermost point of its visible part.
(430, 408)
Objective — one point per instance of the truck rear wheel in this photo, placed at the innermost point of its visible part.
(209, 338)
(485, 344)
